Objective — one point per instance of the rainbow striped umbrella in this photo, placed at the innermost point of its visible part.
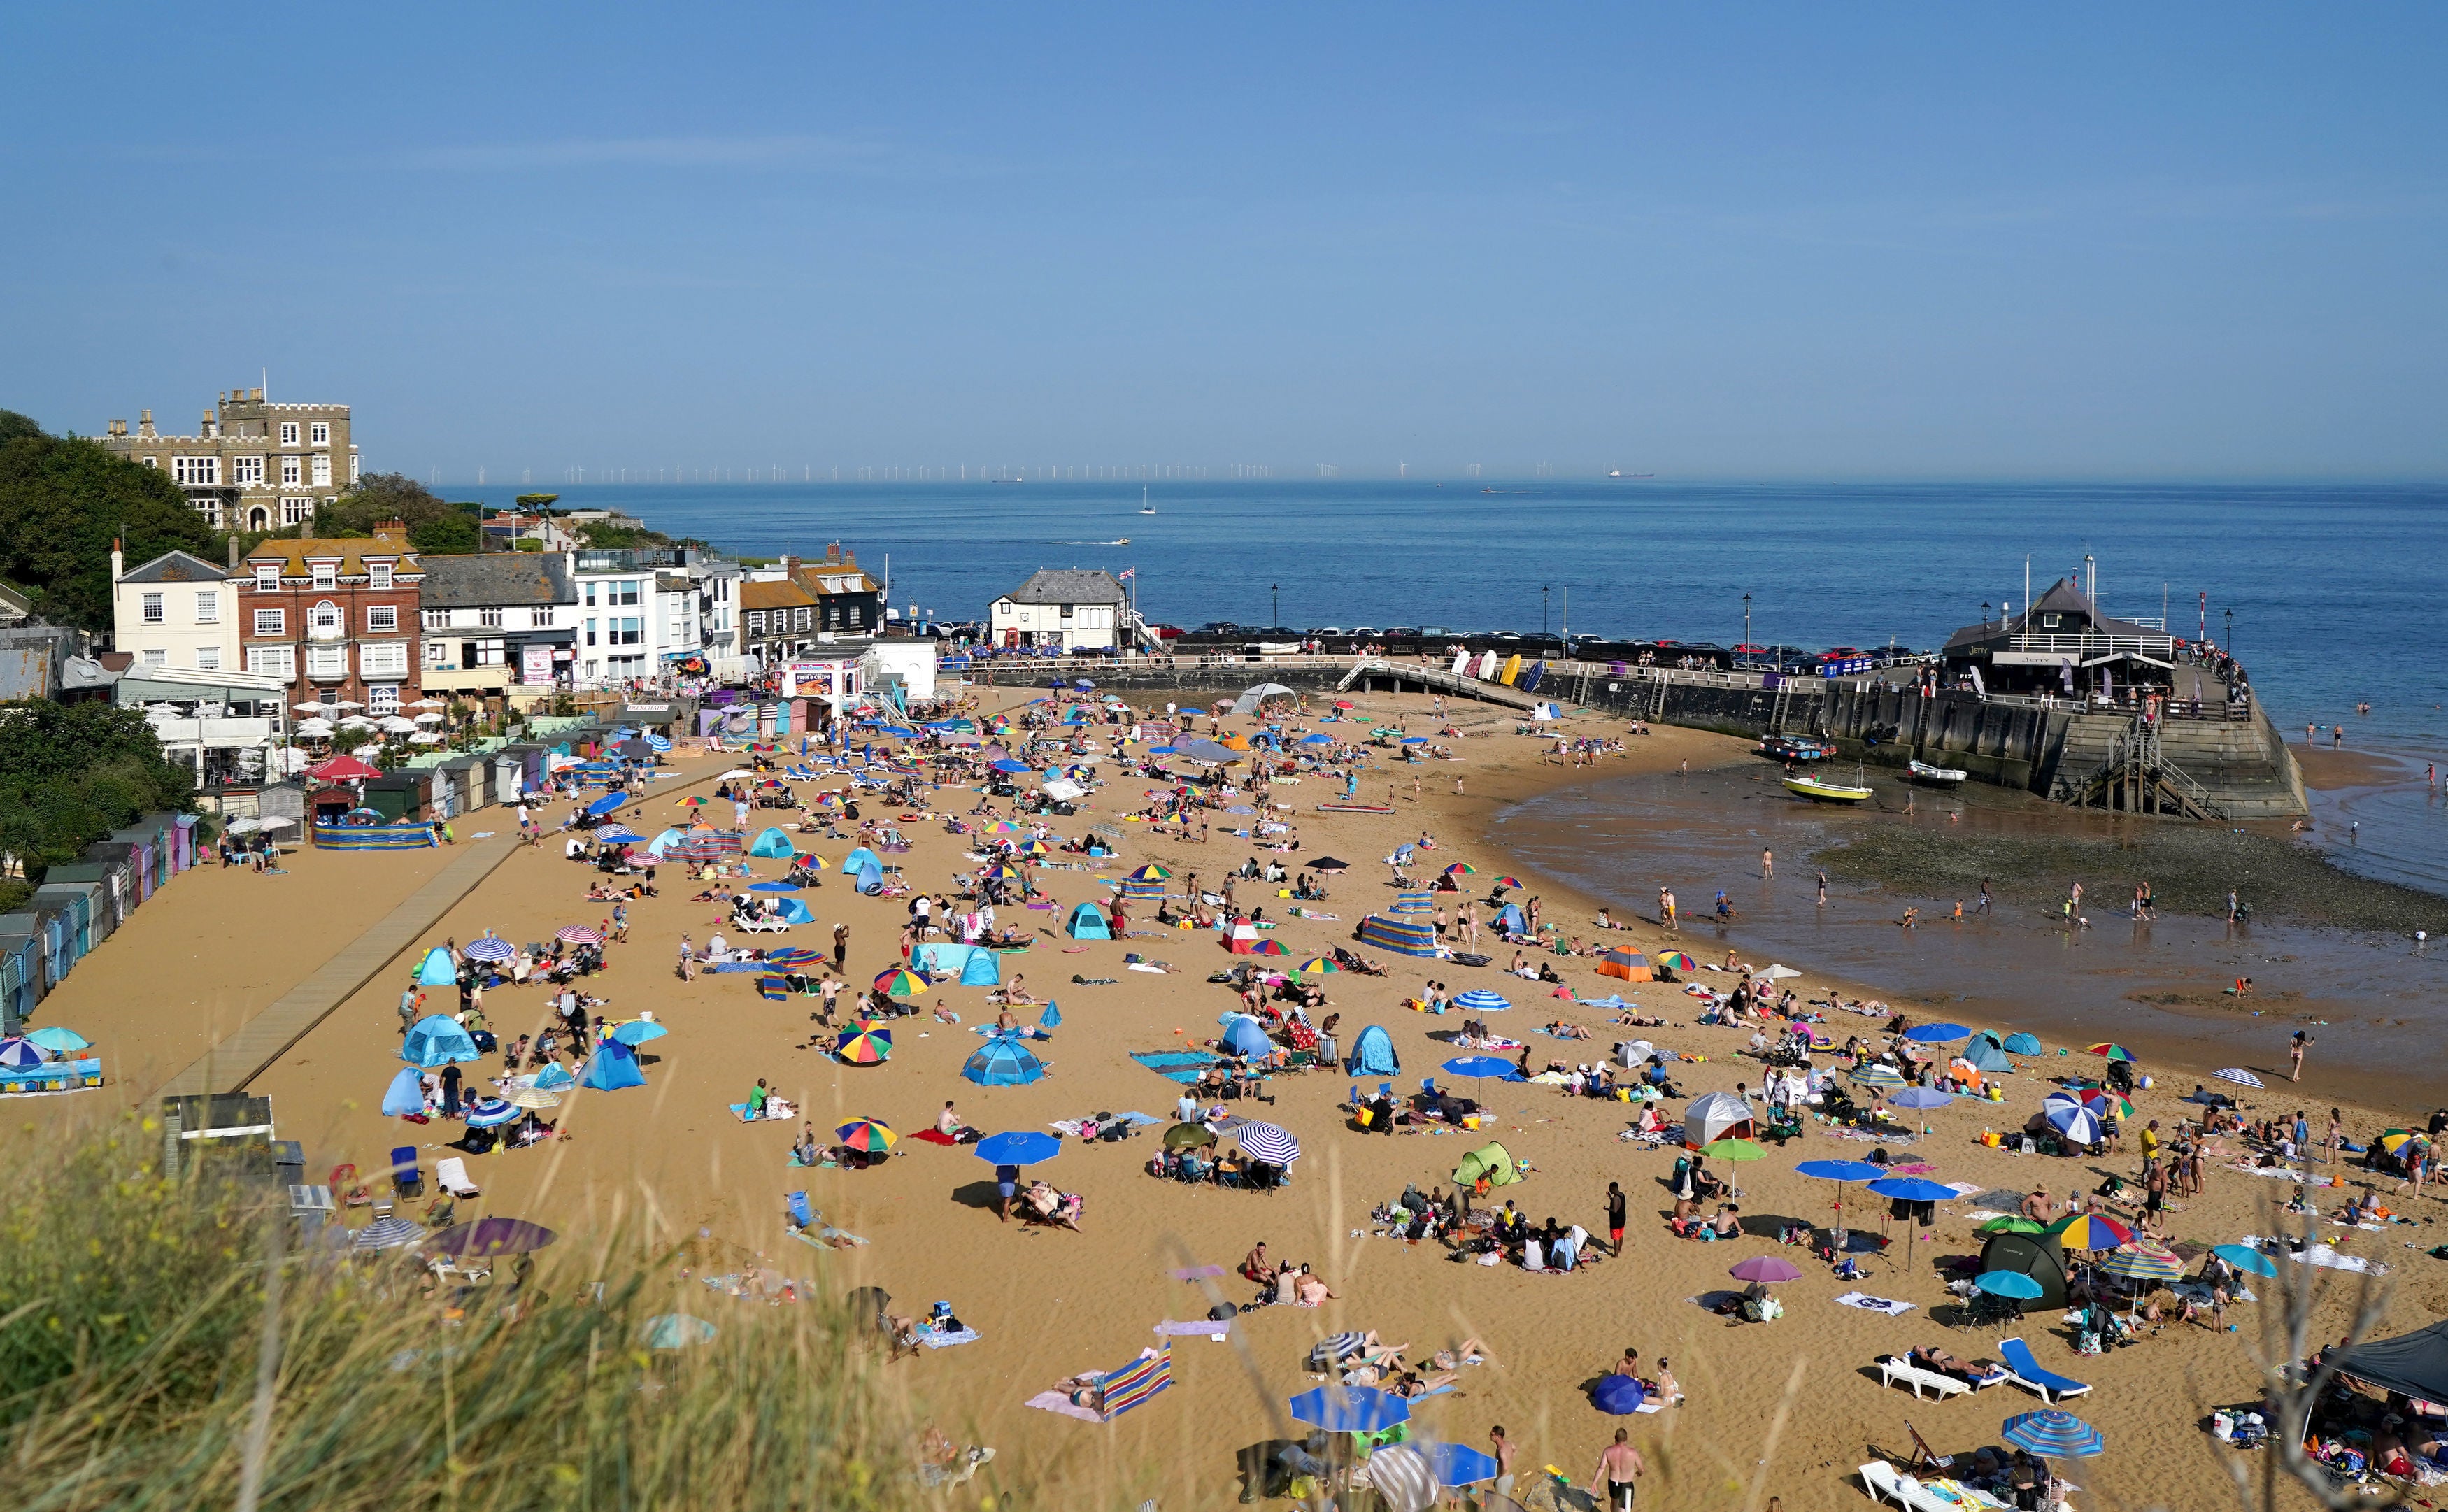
(867, 1134)
(1032, 847)
(864, 1044)
(2141, 1261)
(1318, 965)
(1004, 873)
(1150, 872)
(1878, 1074)
(2112, 1050)
(1268, 947)
(2090, 1230)
(2099, 1101)
(1677, 961)
(900, 983)
(692, 801)
(1462, 869)
(1003, 827)
(577, 934)
(1507, 882)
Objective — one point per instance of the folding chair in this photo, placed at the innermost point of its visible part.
(800, 1216)
(406, 1179)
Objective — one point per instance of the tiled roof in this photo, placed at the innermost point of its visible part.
(784, 595)
(488, 579)
(1068, 585)
(351, 551)
(176, 567)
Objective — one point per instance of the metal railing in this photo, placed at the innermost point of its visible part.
(2159, 646)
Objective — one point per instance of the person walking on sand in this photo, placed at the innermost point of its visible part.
(1983, 905)
(2295, 1049)
(841, 945)
(1618, 1467)
(1614, 1217)
(1767, 864)
(1503, 1448)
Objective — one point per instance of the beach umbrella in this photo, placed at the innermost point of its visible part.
(1736, 1150)
(487, 1113)
(1778, 973)
(2238, 1076)
(2143, 1261)
(608, 803)
(2007, 1284)
(2011, 1223)
(899, 983)
(1350, 1408)
(1479, 1000)
(2112, 1050)
(676, 1330)
(488, 947)
(1402, 1478)
(577, 934)
(638, 1031)
(1913, 1189)
(2052, 1434)
(1328, 863)
(1032, 847)
(1921, 1098)
(1268, 947)
(2022, 1044)
(868, 1135)
(1188, 1137)
(491, 1236)
(1935, 1033)
(2077, 1123)
(2245, 1258)
(387, 1234)
(617, 834)
(864, 1044)
(1456, 1464)
(692, 801)
(1480, 1065)
(2089, 1231)
(1677, 961)
(1839, 1171)
(1265, 1141)
(776, 885)
(1878, 1074)
(1462, 869)
(1318, 965)
(1005, 872)
(1514, 883)
(1767, 1270)
(1004, 1062)
(58, 1039)
(1023, 1147)
(534, 1098)
(2101, 1101)
(17, 1054)
(1619, 1396)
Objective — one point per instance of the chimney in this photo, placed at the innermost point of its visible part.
(395, 530)
(832, 554)
(118, 561)
(233, 553)
(204, 426)
(144, 423)
(256, 395)
(119, 428)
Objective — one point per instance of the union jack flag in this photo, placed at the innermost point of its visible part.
(1127, 574)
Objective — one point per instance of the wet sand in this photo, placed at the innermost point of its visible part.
(1048, 1303)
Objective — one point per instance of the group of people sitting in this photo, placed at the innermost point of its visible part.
(1229, 1166)
(1507, 1233)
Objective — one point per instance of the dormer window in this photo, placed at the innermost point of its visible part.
(327, 575)
(2050, 622)
(267, 577)
(379, 574)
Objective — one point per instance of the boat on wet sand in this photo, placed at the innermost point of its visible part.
(1823, 790)
(1923, 772)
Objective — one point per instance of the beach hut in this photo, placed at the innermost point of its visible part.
(1004, 1062)
(1373, 1054)
(438, 969)
(1630, 966)
(612, 1066)
(1401, 936)
(1716, 1116)
(1986, 1054)
(771, 844)
(1087, 923)
(984, 968)
(2031, 1255)
(1491, 1163)
(21, 980)
(1246, 1036)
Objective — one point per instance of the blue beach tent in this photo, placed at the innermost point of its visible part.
(554, 1077)
(436, 1041)
(1246, 1036)
(2023, 1045)
(860, 859)
(407, 1094)
(612, 1066)
(438, 970)
(1373, 1054)
(795, 911)
(771, 843)
(867, 879)
(1004, 1062)
(1985, 1054)
(1510, 920)
(1087, 923)
(984, 968)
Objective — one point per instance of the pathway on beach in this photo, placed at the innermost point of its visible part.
(230, 1065)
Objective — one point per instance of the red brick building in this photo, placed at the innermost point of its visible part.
(336, 619)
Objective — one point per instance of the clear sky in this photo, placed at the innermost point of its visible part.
(1761, 241)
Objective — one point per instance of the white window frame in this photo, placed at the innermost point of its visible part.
(150, 609)
(327, 576)
(382, 619)
(271, 621)
(319, 433)
(540, 617)
(326, 663)
(435, 619)
(156, 657)
(272, 662)
(288, 432)
(353, 470)
(325, 618)
(208, 606)
(297, 510)
(382, 659)
(377, 574)
(197, 472)
(293, 472)
(267, 577)
(437, 655)
(383, 698)
(321, 470)
(208, 659)
(246, 471)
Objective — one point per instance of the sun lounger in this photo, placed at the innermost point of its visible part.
(2026, 1373)
(1895, 1367)
(1885, 1483)
(450, 1174)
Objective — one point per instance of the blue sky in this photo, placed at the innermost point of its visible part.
(1807, 241)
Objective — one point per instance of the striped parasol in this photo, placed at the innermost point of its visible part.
(2077, 1123)
(1462, 869)
(692, 801)
(1878, 1074)
(660, 743)
(868, 1134)
(2089, 1231)
(1401, 1477)
(1318, 965)
(2143, 1261)
(1507, 882)
(1150, 872)
(2238, 1076)
(2052, 1435)
(1004, 873)
(1032, 847)
(1265, 1141)
(2112, 1050)
(1002, 827)
(577, 934)
(388, 1233)
(1677, 961)
(2102, 1101)
(1479, 1000)
(900, 983)
(864, 1044)
(534, 1098)
(1268, 947)
(491, 948)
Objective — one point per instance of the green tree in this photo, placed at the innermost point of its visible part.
(381, 496)
(71, 773)
(62, 502)
(451, 535)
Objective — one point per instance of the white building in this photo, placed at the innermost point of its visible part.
(638, 614)
(910, 661)
(1062, 610)
(176, 611)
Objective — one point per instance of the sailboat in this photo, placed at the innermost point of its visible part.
(1143, 500)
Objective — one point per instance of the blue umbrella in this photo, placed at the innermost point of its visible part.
(1009, 766)
(1921, 1098)
(608, 803)
(1479, 1000)
(1841, 1170)
(1266, 1142)
(2075, 1121)
(2052, 1434)
(638, 1031)
(1317, 739)
(1913, 1189)
(19, 1053)
(2245, 1258)
(2007, 1284)
(772, 886)
(59, 1040)
(1415, 740)
(1051, 1018)
(2022, 1044)
(1022, 1147)
(1457, 1464)
(490, 1112)
(1003, 1063)
(1350, 1408)
(1618, 1394)
(617, 834)
(488, 947)
(1482, 1065)
(1939, 1033)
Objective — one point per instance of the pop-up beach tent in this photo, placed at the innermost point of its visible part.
(940, 959)
(1373, 1054)
(1986, 1054)
(406, 1095)
(1246, 1036)
(860, 859)
(1712, 1117)
(867, 879)
(1490, 1162)
(1629, 964)
(771, 843)
(436, 1041)
(612, 1066)
(1403, 936)
(792, 912)
(984, 968)
(1242, 937)
(1510, 920)
(2033, 1255)
(437, 970)
(1087, 923)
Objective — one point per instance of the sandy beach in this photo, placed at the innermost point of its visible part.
(1048, 1303)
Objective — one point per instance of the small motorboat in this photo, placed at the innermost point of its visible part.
(1794, 748)
(1821, 790)
(1937, 777)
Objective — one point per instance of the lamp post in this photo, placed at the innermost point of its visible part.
(1543, 590)
(1984, 614)
(1747, 619)
(2230, 632)
(1278, 590)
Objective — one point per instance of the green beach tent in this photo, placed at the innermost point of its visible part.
(1489, 1160)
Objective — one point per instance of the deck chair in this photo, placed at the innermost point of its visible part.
(2026, 1371)
(1925, 1458)
(406, 1179)
(1428, 1085)
(450, 1174)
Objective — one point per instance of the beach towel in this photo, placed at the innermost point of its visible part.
(1057, 1402)
(2283, 1174)
(2320, 1254)
(1174, 1066)
(1870, 1304)
(1199, 1327)
(945, 1341)
(935, 1136)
